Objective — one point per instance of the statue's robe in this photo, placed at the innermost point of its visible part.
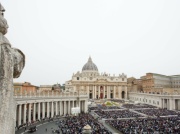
(12, 62)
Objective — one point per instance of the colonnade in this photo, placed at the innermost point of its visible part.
(32, 111)
(105, 91)
(170, 103)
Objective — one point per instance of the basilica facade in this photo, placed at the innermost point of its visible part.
(96, 85)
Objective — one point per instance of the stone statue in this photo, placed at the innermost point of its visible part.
(12, 62)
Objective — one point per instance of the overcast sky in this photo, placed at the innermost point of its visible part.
(131, 36)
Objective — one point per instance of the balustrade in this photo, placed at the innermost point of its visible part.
(46, 94)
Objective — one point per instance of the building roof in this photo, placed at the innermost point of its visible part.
(90, 66)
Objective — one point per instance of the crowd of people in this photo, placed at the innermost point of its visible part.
(147, 126)
(115, 100)
(75, 124)
(157, 112)
(103, 107)
(117, 114)
(135, 106)
(93, 108)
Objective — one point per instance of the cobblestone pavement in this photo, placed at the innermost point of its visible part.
(41, 128)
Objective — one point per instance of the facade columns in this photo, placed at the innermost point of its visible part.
(75, 88)
(114, 96)
(108, 93)
(104, 88)
(34, 112)
(119, 92)
(19, 114)
(126, 92)
(98, 92)
(88, 91)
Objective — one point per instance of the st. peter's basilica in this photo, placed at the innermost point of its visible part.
(96, 85)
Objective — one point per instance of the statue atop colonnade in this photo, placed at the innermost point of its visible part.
(12, 62)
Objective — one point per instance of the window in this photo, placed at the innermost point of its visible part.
(77, 78)
(122, 79)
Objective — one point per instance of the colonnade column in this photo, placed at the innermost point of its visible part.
(80, 105)
(107, 92)
(19, 115)
(47, 110)
(172, 104)
(162, 104)
(94, 92)
(64, 107)
(73, 103)
(24, 113)
(39, 111)
(52, 109)
(69, 107)
(168, 104)
(56, 108)
(34, 112)
(60, 105)
(83, 105)
(29, 112)
(43, 110)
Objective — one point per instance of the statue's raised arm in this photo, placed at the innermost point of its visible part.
(12, 62)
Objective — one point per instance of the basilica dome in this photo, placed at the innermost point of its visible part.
(90, 66)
